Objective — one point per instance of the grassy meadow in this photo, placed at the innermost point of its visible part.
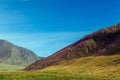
(87, 68)
(7, 67)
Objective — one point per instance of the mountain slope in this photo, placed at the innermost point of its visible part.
(105, 67)
(15, 55)
(102, 42)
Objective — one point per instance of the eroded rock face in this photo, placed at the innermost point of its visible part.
(15, 55)
(102, 42)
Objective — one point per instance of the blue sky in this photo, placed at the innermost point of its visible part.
(46, 26)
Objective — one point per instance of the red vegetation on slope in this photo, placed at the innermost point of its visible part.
(103, 42)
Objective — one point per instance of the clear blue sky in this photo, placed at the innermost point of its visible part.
(46, 26)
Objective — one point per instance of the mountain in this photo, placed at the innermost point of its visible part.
(14, 55)
(102, 42)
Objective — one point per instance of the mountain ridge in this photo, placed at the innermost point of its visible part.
(15, 55)
(101, 42)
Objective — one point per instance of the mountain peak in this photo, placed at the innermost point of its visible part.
(15, 55)
(5, 42)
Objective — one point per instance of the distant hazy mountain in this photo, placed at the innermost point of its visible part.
(103, 42)
(15, 55)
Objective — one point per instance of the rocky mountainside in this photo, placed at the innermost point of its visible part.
(15, 55)
(102, 42)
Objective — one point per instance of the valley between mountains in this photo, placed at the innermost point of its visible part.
(94, 57)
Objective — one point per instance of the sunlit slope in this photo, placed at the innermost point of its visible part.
(86, 68)
(106, 66)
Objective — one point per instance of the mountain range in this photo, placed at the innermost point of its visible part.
(104, 42)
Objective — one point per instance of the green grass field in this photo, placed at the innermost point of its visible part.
(88, 68)
(6, 67)
(50, 75)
